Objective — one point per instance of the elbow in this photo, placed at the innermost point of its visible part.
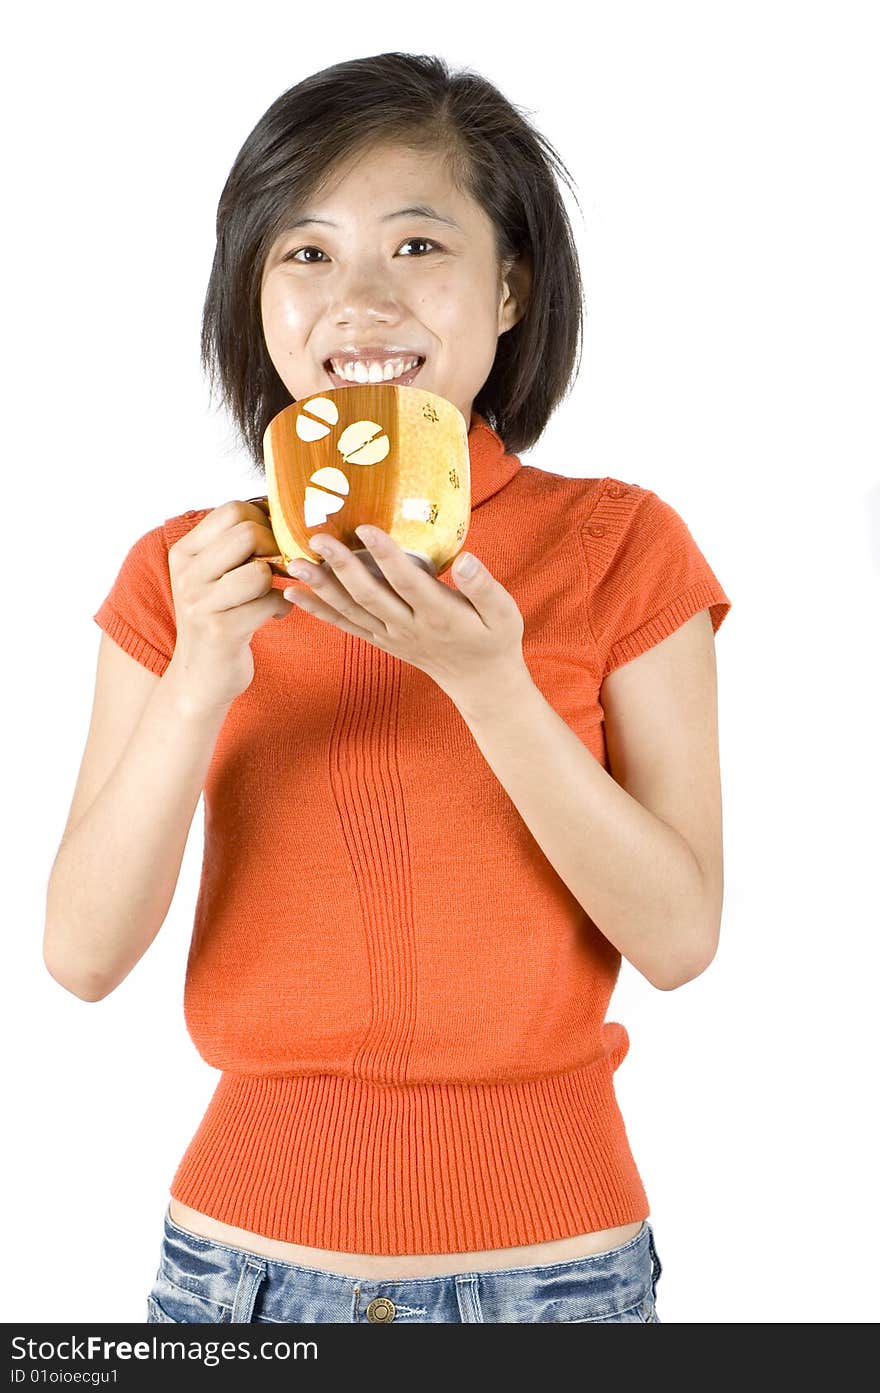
(89, 992)
(670, 982)
(88, 988)
(673, 974)
(84, 991)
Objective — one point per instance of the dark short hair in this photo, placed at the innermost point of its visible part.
(492, 153)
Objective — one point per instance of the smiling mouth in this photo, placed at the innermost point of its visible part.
(405, 380)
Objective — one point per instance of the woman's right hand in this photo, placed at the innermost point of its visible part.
(222, 594)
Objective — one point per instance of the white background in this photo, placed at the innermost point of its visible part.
(728, 231)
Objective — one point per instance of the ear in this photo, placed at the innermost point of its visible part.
(516, 285)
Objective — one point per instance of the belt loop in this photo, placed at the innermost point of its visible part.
(467, 1291)
(252, 1273)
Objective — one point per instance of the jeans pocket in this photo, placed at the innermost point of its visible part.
(642, 1313)
(155, 1313)
(167, 1301)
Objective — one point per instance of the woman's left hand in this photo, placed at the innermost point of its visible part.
(465, 641)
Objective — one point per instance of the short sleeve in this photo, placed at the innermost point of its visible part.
(646, 574)
(138, 612)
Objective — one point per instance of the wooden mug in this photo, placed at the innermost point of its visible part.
(369, 453)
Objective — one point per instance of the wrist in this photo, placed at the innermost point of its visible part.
(496, 690)
(188, 705)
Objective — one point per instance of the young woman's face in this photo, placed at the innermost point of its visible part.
(403, 281)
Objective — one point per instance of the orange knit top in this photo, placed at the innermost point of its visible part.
(406, 1003)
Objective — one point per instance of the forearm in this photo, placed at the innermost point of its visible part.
(635, 876)
(116, 871)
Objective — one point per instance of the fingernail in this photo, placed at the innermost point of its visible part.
(299, 572)
(467, 565)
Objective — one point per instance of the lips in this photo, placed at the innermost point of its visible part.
(405, 380)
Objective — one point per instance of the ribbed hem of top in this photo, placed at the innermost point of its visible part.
(130, 640)
(335, 1162)
(704, 595)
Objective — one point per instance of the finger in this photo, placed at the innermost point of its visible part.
(267, 545)
(406, 577)
(305, 599)
(488, 597)
(324, 589)
(346, 583)
(219, 520)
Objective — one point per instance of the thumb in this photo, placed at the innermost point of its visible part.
(466, 567)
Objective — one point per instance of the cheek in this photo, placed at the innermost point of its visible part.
(466, 318)
(284, 317)
(443, 308)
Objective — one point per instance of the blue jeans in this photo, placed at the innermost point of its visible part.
(200, 1280)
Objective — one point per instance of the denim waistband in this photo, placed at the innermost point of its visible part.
(228, 1283)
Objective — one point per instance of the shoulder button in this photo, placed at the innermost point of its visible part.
(596, 529)
(615, 490)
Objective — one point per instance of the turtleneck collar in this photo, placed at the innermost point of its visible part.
(491, 466)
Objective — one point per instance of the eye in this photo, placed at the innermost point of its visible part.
(420, 239)
(291, 256)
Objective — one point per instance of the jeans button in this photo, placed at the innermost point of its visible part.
(380, 1310)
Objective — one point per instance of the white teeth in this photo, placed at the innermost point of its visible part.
(374, 371)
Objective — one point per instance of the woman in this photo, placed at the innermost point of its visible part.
(420, 873)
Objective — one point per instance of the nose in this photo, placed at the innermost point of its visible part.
(363, 292)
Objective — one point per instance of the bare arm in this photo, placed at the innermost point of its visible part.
(149, 747)
(116, 870)
(640, 847)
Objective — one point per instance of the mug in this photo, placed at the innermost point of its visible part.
(369, 453)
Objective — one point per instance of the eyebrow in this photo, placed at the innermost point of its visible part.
(420, 210)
